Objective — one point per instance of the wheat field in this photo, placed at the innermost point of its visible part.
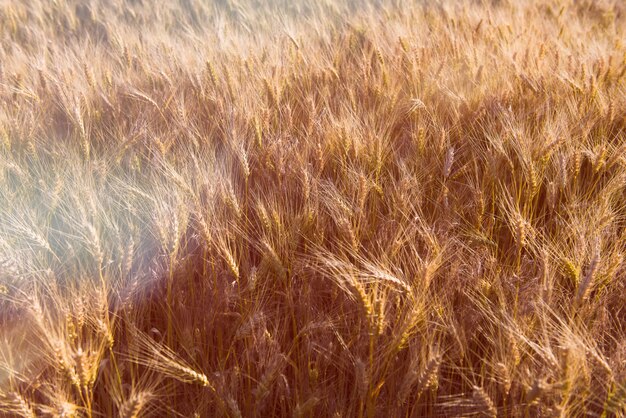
(338, 208)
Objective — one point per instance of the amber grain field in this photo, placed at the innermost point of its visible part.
(337, 208)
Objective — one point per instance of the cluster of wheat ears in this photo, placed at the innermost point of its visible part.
(298, 208)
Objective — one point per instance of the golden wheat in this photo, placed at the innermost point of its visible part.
(290, 208)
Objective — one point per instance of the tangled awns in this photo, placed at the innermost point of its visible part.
(291, 208)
